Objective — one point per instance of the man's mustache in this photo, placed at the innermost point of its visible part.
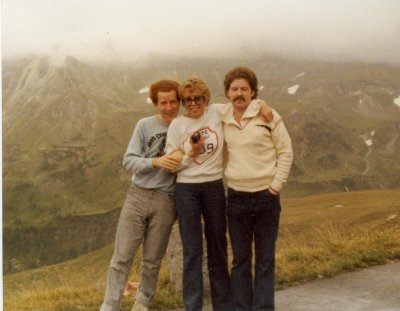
(239, 97)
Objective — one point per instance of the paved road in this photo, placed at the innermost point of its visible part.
(373, 289)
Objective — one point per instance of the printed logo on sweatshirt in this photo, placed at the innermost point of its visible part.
(209, 148)
(160, 139)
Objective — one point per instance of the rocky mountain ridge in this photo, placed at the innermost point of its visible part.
(66, 127)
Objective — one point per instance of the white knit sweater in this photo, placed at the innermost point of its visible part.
(259, 153)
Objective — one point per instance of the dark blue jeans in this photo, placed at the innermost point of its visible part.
(253, 216)
(192, 202)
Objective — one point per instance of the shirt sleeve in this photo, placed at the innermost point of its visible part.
(174, 141)
(134, 159)
(173, 137)
(283, 143)
(221, 109)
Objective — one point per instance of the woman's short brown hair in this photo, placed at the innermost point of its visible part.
(241, 73)
(163, 86)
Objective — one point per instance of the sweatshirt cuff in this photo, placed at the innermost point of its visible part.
(148, 163)
(186, 160)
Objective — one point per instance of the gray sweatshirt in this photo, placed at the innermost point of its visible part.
(147, 142)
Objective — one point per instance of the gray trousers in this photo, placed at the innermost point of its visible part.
(146, 217)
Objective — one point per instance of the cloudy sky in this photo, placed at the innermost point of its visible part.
(366, 30)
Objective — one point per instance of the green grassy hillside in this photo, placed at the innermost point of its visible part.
(320, 236)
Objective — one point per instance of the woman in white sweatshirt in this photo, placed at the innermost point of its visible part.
(200, 193)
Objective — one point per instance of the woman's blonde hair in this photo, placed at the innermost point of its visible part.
(195, 83)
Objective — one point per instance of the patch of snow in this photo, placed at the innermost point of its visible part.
(391, 217)
(298, 76)
(144, 90)
(293, 89)
(339, 205)
(149, 100)
(261, 87)
(368, 142)
(397, 101)
(372, 132)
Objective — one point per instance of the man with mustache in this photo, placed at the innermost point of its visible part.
(259, 160)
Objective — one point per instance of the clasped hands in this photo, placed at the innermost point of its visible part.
(172, 160)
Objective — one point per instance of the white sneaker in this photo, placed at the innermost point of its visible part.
(139, 307)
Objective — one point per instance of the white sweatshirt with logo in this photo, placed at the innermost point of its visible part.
(207, 166)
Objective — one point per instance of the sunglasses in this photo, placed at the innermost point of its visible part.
(198, 100)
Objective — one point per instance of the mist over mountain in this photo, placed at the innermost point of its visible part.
(66, 127)
(326, 30)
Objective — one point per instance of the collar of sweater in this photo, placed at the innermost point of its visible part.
(252, 110)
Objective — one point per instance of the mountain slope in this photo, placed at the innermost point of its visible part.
(66, 127)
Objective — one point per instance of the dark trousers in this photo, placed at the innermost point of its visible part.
(192, 202)
(253, 216)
